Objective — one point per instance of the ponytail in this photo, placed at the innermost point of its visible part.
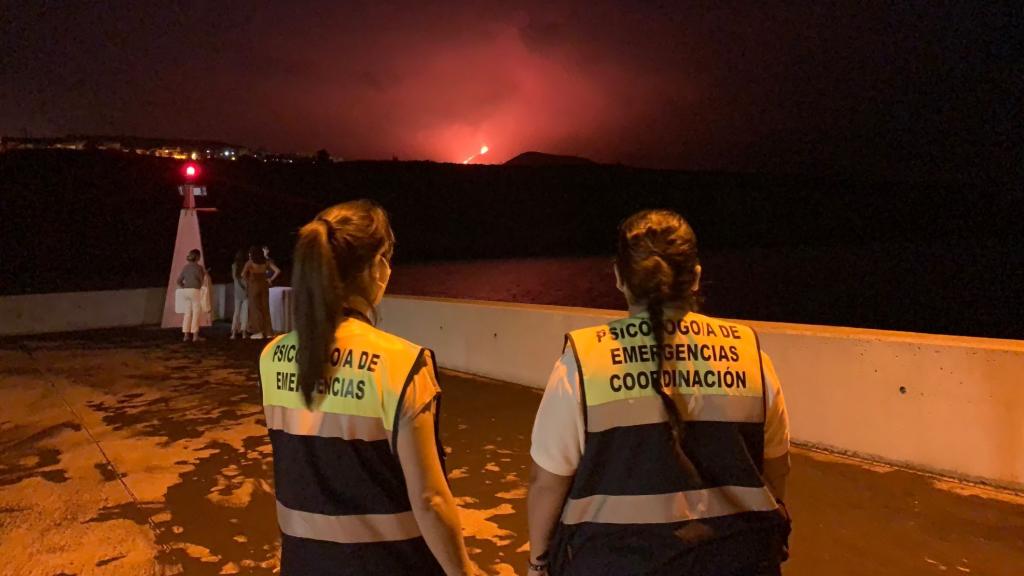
(316, 292)
(331, 254)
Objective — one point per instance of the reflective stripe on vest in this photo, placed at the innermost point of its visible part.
(336, 474)
(650, 410)
(352, 529)
(304, 422)
(667, 508)
(629, 473)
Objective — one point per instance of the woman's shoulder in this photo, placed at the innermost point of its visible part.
(387, 340)
(719, 324)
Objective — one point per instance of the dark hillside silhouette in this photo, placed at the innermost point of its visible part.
(542, 159)
(926, 257)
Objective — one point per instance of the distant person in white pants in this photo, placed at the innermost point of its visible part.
(191, 282)
(240, 319)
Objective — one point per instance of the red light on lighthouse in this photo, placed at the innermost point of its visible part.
(191, 171)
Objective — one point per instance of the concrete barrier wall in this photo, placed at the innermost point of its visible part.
(69, 311)
(945, 404)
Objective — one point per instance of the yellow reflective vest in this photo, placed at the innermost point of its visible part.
(342, 503)
(636, 505)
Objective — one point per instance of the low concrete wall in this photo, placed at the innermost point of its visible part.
(69, 311)
(945, 404)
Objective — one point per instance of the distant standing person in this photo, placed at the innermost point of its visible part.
(239, 320)
(191, 282)
(258, 290)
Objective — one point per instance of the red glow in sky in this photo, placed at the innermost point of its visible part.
(876, 87)
(191, 171)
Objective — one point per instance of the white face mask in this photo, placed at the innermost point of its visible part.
(383, 277)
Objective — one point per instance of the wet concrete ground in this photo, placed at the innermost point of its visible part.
(126, 452)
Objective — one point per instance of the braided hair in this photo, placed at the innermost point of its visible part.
(657, 261)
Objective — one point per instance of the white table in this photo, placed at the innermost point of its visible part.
(281, 308)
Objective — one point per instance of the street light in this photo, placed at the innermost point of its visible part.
(189, 190)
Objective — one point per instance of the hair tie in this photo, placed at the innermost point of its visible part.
(327, 224)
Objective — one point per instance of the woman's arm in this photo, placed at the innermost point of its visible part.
(776, 474)
(776, 432)
(275, 269)
(432, 501)
(556, 449)
(544, 506)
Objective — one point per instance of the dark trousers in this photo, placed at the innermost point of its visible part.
(757, 552)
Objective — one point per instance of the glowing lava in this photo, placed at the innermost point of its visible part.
(483, 150)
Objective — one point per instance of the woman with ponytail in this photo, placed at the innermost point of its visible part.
(353, 415)
(661, 443)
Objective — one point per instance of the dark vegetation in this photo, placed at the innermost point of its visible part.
(933, 257)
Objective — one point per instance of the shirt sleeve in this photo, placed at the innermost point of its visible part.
(558, 435)
(776, 425)
(423, 389)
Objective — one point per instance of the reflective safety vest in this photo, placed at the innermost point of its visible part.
(634, 507)
(342, 503)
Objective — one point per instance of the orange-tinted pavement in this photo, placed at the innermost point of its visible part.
(126, 452)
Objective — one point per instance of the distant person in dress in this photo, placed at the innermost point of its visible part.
(239, 320)
(258, 283)
(191, 282)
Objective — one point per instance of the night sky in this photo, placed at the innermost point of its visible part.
(919, 90)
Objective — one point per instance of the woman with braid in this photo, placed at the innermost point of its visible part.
(661, 445)
(353, 414)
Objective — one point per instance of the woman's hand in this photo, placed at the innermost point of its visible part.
(544, 502)
(531, 572)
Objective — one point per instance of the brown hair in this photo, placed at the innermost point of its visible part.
(331, 254)
(657, 260)
(256, 255)
(240, 259)
(193, 255)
